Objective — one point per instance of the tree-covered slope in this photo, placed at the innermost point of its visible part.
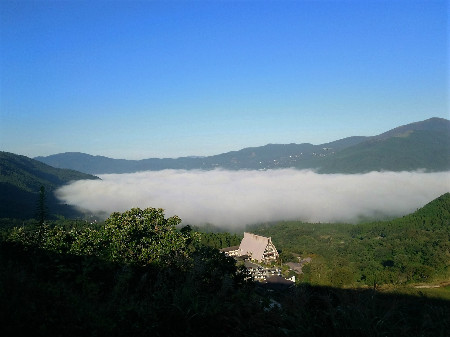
(434, 124)
(414, 248)
(429, 150)
(20, 181)
(434, 214)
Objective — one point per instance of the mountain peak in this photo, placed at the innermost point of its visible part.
(431, 124)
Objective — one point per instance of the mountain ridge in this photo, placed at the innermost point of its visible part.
(419, 145)
(20, 181)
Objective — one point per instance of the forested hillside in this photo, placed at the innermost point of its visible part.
(412, 150)
(415, 248)
(20, 181)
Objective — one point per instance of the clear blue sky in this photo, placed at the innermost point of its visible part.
(141, 79)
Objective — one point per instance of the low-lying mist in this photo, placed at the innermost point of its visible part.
(232, 199)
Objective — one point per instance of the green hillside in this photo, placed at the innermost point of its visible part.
(20, 181)
(414, 248)
(413, 150)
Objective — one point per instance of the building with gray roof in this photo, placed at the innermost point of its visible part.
(259, 248)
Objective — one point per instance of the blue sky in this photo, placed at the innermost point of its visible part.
(141, 79)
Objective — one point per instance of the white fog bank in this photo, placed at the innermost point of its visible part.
(236, 198)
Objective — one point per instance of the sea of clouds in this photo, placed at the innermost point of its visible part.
(233, 199)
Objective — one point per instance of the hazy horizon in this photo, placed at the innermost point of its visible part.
(229, 150)
(154, 79)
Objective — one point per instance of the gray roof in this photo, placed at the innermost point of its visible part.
(276, 282)
(275, 279)
(229, 249)
(254, 245)
(295, 266)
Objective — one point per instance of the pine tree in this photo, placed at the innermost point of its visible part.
(41, 211)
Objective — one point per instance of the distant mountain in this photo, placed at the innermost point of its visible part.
(20, 181)
(432, 124)
(429, 150)
(420, 145)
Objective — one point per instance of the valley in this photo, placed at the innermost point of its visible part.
(138, 271)
(224, 168)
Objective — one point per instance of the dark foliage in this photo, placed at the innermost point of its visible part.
(78, 280)
(55, 294)
(220, 240)
(41, 207)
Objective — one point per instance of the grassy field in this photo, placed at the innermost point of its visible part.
(442, 292)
